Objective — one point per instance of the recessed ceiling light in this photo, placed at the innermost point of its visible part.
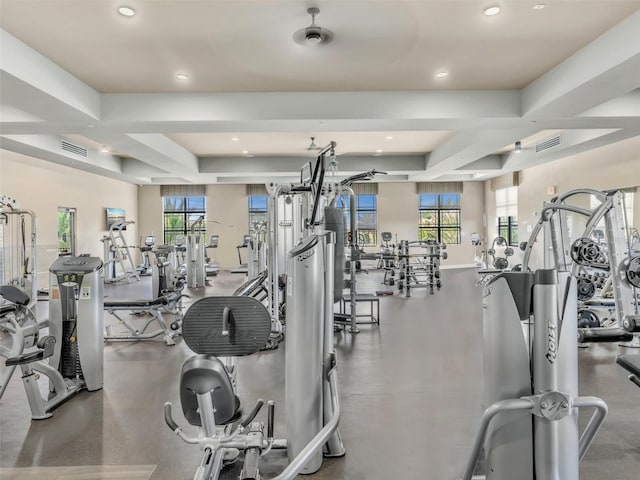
(378, 151)
(182, 76)
(389, 137)
(490, 11)
(245, 152)
(442, 74)
(235, 139)
(126, 11)
(539, 6)
(104, 149)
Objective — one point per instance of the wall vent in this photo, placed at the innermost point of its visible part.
(73, 148)
(547, 144)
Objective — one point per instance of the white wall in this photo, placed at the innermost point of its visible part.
(43, 186)
(226, 204)
(613, 166)
(398, 214)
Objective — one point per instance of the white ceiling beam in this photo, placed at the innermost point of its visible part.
(234, 166)
(196, 108)
(573, 143)
(154, 149)
(47, 147)
(489, 162)
(26, 71)
(604, 69)
(469, 146)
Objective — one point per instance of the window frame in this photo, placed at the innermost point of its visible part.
(253, 212)
(370, 234)
(439, 209)
(511, 225)
(168, 235)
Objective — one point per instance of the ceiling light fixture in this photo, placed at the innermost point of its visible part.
(388, 137)
(182, 76)
(442, 74)
(491, 11)
(518, 148)
(126, 11)
(378, 151)
(245, 152)
(104, 149)
(539, 6)
(313, 34)
(235, 139)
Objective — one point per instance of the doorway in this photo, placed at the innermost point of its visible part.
(66, 231)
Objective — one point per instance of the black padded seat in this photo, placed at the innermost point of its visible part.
(135, 303)
(4, 309)
(202, 374)
(16, 295)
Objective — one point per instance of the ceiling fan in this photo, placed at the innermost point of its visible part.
(313, 34)
(312, 146)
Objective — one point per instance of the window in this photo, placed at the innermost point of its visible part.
(507, 214)
(179, 215)
(439, 217)
(628, 212)
(508, 229)
(257, 210)
(366, 218)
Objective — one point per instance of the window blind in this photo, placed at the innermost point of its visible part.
(439, 187)
(183, 190)
(256, 189)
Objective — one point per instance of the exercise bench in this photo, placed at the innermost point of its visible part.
(374, 318)
(154, 308)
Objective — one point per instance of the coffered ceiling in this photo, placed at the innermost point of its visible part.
(79, 70)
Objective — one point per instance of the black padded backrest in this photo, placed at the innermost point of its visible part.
(14, 294)
(249, 326)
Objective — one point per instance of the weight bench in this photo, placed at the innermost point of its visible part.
(154, 308)
(630, 363)
(374, 319)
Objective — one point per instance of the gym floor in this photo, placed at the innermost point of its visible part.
(411, 392)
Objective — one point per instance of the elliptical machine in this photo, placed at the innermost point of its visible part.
(530, 428)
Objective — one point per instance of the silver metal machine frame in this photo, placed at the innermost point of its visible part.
(531, 367)
(556, 255)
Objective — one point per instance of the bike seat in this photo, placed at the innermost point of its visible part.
(202, 374)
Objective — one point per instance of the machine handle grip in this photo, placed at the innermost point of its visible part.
(168, 418)
(225, 321)
(271, 406)
(252, 414)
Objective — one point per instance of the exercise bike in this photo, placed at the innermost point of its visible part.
(217, 329)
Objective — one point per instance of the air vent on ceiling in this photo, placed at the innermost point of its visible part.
(73, 148)
(547, 144)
